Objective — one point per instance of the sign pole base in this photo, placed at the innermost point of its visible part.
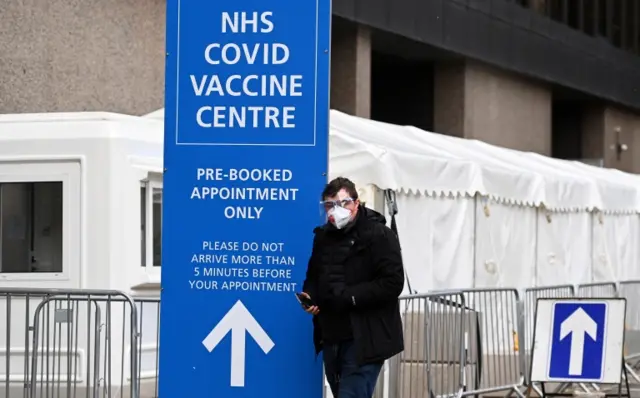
(623, 389)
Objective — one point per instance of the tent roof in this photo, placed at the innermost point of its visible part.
(411, 160)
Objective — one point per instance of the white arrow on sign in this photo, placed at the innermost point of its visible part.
(577, 325)
(238, 321)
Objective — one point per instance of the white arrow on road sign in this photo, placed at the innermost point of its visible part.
(238, 321)
(577, 325)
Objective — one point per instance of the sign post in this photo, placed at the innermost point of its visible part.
(578, 340)
(246, 158)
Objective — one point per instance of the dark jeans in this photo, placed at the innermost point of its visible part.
(345, 377)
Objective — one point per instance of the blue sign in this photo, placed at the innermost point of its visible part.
(246, 158)
(578, 341)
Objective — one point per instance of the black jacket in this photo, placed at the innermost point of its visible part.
(369, 281)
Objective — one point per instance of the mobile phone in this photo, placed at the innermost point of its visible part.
(304, 300)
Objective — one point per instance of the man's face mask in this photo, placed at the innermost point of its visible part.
(339, 216)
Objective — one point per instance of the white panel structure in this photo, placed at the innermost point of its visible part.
(563, 257)
(436, 234)
(505, 245)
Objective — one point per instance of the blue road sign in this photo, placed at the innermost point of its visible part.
(578, 342)
(246, 158)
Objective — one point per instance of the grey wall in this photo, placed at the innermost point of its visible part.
(78, 55)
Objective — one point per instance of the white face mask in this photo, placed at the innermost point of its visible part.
(341, 216)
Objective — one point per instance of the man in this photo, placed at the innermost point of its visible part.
(354, 278)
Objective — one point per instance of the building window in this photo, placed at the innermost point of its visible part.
(31, 227)
(151, 222)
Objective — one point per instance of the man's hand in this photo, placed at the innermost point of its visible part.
(313, 310)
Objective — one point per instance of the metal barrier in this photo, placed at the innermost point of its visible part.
(94, 344)
(433, 362)
(494, 339)
(457, 343)
(531, 295)
(149, 331)
(630, 290)
(597, 290)
(68, 343)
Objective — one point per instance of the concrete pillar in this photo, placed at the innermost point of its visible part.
(476, 101)
(448, 98)
(623, 127)
(604, 127)
(351, 68)
(592, 138)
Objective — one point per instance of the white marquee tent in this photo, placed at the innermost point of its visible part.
(476, 215)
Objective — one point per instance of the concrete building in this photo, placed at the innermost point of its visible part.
(560, 78)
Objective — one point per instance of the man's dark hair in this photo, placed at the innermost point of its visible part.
(338, 184)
